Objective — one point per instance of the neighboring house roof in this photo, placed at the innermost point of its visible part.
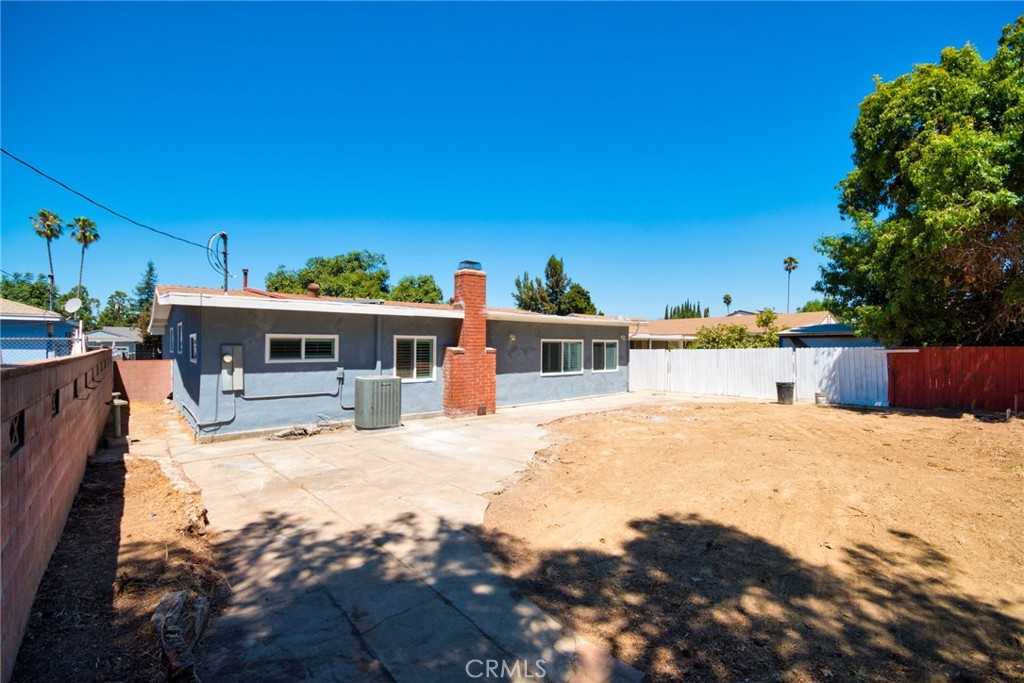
(825, 330)
(740, 311)
(114, 334)
(686, 329)
(14, 310)
(249, 298)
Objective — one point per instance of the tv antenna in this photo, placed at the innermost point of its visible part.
(217, 255)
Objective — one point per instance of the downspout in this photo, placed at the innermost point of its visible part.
(379, 369)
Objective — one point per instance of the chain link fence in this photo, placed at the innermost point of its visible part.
(18, 350)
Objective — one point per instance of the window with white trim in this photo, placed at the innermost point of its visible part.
(181, 338)
(561, 356)
(170, 342)
(193, 347)
(301, 348)
(606, 356)
(414, 358)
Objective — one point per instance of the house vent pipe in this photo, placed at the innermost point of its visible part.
(313, 289)
(245, 278)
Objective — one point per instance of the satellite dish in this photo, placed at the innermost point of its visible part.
(73, 304)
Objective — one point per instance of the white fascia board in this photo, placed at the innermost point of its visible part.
(662, 337)
(557, 319)
(164, 302)
(28, 318)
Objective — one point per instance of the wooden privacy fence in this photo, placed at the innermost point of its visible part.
(847, 376)
(958, 378)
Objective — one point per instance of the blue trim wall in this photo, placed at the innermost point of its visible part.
(278, 395)
(519, 380)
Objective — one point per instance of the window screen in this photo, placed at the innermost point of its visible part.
(414, 358)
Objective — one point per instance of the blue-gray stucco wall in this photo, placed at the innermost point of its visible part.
(519, 380)
(283, 394)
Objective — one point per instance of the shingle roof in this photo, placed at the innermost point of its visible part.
(115, 333)
(15, 308)
(829, 329)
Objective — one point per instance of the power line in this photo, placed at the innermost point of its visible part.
(105, 208)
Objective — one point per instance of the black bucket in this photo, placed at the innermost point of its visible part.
(785, 391)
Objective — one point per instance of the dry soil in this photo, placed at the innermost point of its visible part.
(760, 542)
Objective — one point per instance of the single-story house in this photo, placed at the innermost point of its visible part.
(680, 332)
(829, 334)
(122, 341)
(28, 333)
(246, 361)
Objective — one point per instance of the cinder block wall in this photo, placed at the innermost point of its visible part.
(470, 368)
(40, 476)
(143, 381)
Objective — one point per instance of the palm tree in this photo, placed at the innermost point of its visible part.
(84, 232)
(48, 225)
(789, 263)
(727, 300)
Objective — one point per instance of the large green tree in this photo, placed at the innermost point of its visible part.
(144, 292)
(21, 287)
(418, 289)
(936, 199)
(356, 275)
(556, 294)
(49, 226)
(577, 300)
(687, 309)
(118, 311)
(816, 305)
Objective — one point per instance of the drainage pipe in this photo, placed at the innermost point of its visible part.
(118, 402)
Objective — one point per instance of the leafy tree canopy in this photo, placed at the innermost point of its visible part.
(766, 319)
(577, 300)
(727, 336)
(417, 288)
(118, 311)
(936, 198)
(21, 287)
(814, 305)
(556, 294)
(356, 275)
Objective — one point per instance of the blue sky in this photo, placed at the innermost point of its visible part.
(666, 151)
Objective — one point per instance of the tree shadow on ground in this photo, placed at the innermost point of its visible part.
(414, 597)
(694, 599)
(687, 599)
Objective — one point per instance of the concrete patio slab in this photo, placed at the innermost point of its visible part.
(351, 555)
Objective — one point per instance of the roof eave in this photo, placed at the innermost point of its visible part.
(557, 319)
(162, 304)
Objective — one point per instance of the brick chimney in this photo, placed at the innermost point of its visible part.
(469, 368)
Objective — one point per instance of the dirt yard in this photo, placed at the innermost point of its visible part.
(760, 542)
(130, 537)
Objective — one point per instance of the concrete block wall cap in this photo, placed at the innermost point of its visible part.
(455, 349)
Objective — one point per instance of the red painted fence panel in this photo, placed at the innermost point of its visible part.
(957, 378)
